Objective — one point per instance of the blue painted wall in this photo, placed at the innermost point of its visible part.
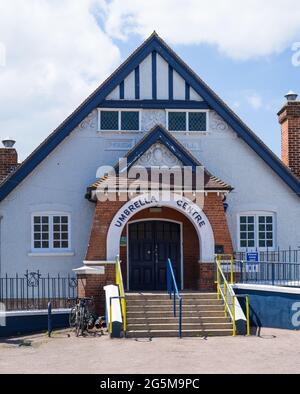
(272, 309)
(19, 325)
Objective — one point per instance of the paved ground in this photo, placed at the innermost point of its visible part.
(276, 351)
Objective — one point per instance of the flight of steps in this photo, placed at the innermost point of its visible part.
(151, 315)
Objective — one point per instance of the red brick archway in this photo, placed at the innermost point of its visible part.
(190, 244)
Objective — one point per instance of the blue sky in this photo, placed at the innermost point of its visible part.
(243, 50)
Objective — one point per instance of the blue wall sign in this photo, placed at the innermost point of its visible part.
(252, 264)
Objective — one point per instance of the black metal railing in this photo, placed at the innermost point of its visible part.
(33, 290)
(268, 273)
(280, 255)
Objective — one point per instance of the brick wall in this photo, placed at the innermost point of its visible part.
(8, 161)
(197, 276)
(289, 119)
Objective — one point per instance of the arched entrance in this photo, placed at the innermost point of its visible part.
(150, 243)
(179, 203)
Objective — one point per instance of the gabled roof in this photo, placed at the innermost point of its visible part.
(153, 43)
(159, 134)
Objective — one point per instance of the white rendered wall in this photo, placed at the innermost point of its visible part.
(162, 83)
(59, 184)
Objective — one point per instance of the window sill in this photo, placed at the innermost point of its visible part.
(190, 132)
(51, 254)
(120, 131)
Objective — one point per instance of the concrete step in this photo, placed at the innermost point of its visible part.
(167, 314)
(169, 308)
(168, 302)
(171, 320)
(174, 333)
(174, 326)
(154, 295)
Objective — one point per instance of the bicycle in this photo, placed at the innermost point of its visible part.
(80, 315)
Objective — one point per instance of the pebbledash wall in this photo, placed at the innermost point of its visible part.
(59, 184)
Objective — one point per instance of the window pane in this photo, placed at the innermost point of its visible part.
(247, 234)
(266, 231)
(41, 232)
(129, 120)
(60, 232)
(177, 121)
(243, 235)
(109, 120)
(197, 121)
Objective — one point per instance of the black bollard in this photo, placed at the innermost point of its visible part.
(49, 319)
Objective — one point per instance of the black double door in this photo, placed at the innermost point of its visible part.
(151, 243)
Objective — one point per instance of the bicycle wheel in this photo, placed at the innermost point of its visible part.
(82, 320)
(72, 317)
(78, 321)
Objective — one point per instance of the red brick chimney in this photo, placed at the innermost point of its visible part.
(8, 158)
(289, 119)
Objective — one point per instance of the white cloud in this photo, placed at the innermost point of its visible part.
(56, 54)
(254, 99)
(240, 29)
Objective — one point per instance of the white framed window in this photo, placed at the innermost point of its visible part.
(112, 119)
(187, 120)
(256, 230)
(51, 232)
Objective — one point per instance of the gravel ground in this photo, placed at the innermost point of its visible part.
(276, 351)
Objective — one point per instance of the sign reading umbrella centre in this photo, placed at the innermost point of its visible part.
(189, 209)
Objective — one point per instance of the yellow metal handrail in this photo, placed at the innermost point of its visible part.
(226, 292)
(121, 297)
(119, 283)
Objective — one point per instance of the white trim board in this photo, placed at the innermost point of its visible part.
(270, 288)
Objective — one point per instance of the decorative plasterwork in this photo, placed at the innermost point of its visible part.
(151, 118)
(216, 123)
(90, 121)
(158, 155)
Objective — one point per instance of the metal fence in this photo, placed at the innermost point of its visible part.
(280, 255)
(32, 290)
(269, 273)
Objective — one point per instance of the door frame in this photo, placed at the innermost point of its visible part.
(158, 220)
